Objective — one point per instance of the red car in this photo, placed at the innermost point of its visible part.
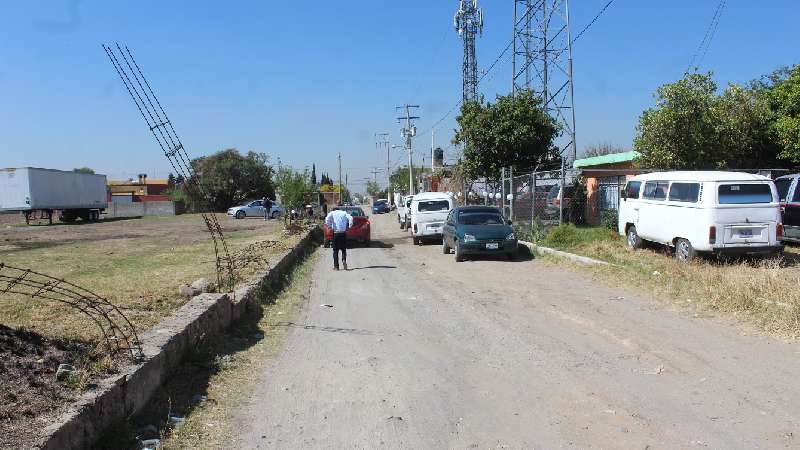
(358, 232)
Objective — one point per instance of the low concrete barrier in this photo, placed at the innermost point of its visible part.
(571, 256)
(126, 393)
(139, 209)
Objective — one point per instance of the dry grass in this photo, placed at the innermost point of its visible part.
(762, 292)
(212, 423)
(137, 264)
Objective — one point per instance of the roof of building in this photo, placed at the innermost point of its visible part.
(611, 158)
(147, 181)
(701, 175)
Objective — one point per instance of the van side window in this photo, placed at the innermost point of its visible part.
(684, 192)
(796, 196)
(632, 189)
(656, 190)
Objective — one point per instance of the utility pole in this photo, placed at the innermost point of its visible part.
(433, 146)
(375, 171)
(383, 140)
(407, 132)
(340, 178)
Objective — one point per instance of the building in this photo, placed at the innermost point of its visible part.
(141, 190)
(605, 177)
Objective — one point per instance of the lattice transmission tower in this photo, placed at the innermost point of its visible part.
(542, 62)
(468, 21)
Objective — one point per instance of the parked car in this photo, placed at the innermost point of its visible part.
(428, 213)
(255, 208)
(359, 232)
(789, 197)
(403, 212)
(718, 212)
(380, 207)
(478, 230)
(555, 197)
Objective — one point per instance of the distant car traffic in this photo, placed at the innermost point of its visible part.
(360, 231)
(478, 230)
(255, 208)
(380, 207)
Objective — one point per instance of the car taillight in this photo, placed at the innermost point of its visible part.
(779, 231)
(712, 235)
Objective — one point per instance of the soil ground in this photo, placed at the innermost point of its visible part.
(138, 264)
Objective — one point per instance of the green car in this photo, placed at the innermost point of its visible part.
(478, 230)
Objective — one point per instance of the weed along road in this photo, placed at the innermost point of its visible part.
(418, 351)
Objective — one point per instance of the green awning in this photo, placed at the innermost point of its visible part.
(613, 158)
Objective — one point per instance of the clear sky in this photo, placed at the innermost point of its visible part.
(302, 81)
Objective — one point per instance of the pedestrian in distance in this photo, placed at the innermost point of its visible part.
(267, 204)
(339, 222)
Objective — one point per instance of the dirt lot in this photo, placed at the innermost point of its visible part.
(137, 264)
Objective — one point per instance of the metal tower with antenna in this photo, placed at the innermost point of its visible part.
(542, 61)
(468, 21)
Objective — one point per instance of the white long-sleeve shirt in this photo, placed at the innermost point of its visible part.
(338, 221)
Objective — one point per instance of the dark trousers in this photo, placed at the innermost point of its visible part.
(339, 243)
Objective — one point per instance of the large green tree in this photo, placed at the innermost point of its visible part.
(294, 187)
(512, 131)
(782, 91)
(227, 178)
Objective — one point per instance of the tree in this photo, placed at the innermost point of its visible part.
(83, 170)
(171, 180)
(314, 174)
(514, 131)
(227, 178)
(602, 148)
(692, 127)
(680, 131)
(399, 178)
(374, 190)
(294, 187)
(782, 93)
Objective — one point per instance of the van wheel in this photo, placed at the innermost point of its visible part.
(416, 240)
(684, 251)
(459, 252)
(445, 247)
(403, 225)
(634, 241)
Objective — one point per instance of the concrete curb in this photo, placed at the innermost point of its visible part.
(571, 256)
(127, 392)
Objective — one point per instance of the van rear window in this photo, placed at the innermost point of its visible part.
(741, 194)
(433, 205)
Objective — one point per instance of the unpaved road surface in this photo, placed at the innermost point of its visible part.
(421, 352)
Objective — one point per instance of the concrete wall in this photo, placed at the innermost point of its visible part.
(139, 209)
(126, 393)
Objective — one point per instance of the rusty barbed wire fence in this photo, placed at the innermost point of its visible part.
(163, 131)
(117, 330)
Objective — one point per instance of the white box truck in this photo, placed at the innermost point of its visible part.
(39, 192)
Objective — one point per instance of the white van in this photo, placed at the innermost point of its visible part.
(720, 212)
(428, 213)
(403, 209)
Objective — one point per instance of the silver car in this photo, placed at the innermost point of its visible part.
(255, 208)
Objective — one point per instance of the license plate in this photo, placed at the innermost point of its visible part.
(492, 246)
(746, 233)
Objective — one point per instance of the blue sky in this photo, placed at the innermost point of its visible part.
(302, 81)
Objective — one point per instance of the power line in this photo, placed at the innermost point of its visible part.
(705, 44)
(593, 20)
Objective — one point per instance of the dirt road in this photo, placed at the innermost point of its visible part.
(419, 351)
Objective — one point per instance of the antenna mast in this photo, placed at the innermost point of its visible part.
(468, 22)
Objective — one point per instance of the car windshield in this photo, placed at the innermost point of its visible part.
(783, 187)
(433, 205)
(740, 194)
(480, 218)
(355, 212)
(379, 203)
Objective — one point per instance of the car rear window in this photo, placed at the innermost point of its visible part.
(783, 188)
(742, 194)
(656, 190)
(480, 218)
(355, 212)
(433, 205)
(684, 192)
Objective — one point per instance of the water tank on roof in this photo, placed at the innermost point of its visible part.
(438, 157)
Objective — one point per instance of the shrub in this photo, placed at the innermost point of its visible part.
(563, 236)
(609, 219)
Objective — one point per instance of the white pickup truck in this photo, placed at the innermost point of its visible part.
(403, 209)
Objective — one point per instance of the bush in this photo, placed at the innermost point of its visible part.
(532, 233)
(563, 236)
(609, 219)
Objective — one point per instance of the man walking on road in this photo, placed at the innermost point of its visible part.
(339, 222)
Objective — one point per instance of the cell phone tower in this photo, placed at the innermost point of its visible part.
(468, 21)
(542, 61)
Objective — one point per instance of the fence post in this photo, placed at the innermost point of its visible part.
(533, 196)
(511, 188)
(503, 190)
(561, 195)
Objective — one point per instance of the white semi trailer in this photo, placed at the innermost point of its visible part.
(38, 193)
